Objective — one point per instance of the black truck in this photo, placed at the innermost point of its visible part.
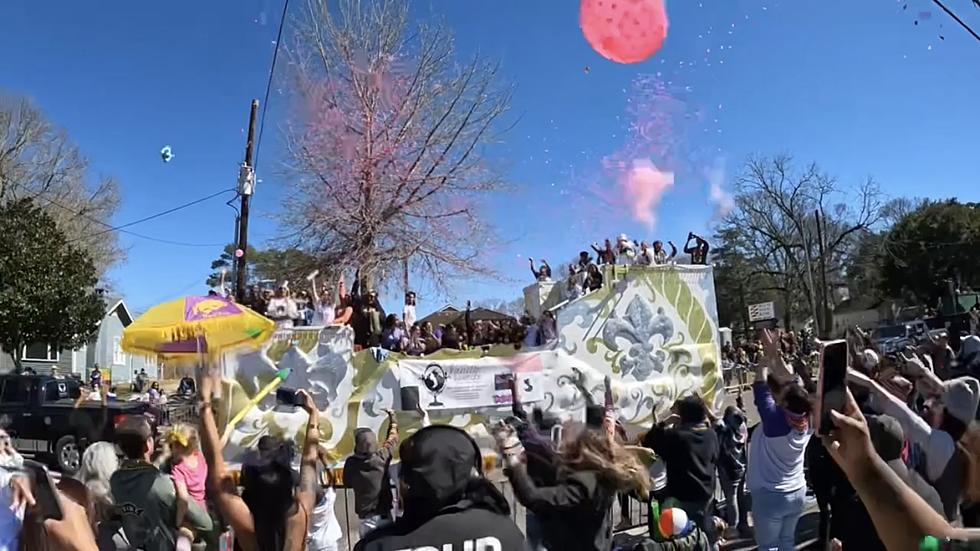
(45, 416)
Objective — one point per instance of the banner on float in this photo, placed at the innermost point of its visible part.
(471, 383)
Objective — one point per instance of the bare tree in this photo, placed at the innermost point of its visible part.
(39, 161)
(387, 157)
(800, 227)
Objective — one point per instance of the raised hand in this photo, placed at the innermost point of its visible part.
(770, 342)
(308, 405)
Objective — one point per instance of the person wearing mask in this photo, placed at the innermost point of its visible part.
(660, 255)
(366, 473)
(447, 501)
(408, 312)
(946, 420)
(775, 475)
(146, 497)
(689, 448)
(282, 308)
(574, 512)
(698, 251)
(391, 334)
(273, 512)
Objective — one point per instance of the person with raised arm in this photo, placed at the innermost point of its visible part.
(366, 473)
(272, 514)
(948, 417)
(775, 472)
(698, 251)
(900, 516)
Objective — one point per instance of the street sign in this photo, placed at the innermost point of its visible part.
(764, 311)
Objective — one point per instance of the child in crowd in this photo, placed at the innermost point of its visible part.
(189, 470)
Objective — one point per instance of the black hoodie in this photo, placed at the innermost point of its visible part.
(691, 454)
(449, 506)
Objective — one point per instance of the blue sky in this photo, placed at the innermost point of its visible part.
(856, 86)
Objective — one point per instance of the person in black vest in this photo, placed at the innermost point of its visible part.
(447, 501)
(689, 447)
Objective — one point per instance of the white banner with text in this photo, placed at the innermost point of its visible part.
(470, 383)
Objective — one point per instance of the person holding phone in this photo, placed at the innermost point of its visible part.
(366, 473)
(775, 471)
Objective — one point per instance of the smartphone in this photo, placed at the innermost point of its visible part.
(45, 493)
(288, 397)
(833, 382)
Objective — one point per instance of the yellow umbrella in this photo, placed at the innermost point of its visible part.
(190, 327)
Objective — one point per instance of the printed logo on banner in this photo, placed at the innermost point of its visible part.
(469, 383)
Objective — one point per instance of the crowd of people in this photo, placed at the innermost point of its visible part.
(405, 333)
(625, 251)
(902, 462)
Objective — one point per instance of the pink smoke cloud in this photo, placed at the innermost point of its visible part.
(643, 187)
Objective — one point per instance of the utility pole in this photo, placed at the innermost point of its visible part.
(246, 186)
(824, 307)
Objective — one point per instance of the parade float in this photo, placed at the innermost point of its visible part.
(653, 330)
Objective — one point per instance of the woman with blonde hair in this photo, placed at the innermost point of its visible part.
(574, 513)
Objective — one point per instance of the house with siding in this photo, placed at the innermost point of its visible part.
(104, 350)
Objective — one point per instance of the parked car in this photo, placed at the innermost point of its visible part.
(41, 415)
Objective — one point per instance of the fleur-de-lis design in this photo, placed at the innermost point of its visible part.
(639, 326)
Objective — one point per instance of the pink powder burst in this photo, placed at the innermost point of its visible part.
(643, 188)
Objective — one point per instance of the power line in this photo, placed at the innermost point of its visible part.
(268, 86)
(957, 19)
(159, 214)
(101, 223)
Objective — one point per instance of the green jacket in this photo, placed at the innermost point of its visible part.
(146, 500)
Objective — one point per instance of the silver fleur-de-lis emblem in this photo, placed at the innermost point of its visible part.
(644, 355)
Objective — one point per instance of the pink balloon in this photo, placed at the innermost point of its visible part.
(239, 253)
(624, 31)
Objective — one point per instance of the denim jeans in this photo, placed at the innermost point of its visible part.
(775, 515)
(734, 490)
(535, 537)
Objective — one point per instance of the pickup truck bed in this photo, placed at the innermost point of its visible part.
(41, 415)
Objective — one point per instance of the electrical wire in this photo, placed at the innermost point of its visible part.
(159, 214)
(268, 86)
(957, 19)
(107, 225)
